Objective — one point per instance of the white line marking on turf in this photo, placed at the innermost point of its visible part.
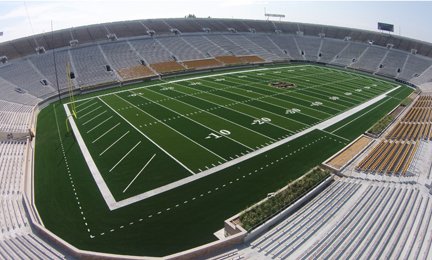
(103, 188)
(335, 135)
(99, 124)
(90, 112)
(124, 156)
(95, 117)
(105, 133)
(114, 143)
(84, 103)
(139, 172)
(187, 79)
(198, 123)
(202, 110)
(86, 107)
(175, 159)
(173, 129)
(207, 172)
(360, 116)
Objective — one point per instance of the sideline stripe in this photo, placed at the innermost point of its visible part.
(103, 188)
(124, 156)
(139, 172)
(360, 116)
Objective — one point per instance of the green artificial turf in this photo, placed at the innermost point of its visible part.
(177, 116)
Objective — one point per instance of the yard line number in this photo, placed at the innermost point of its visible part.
(222, 132)
(293, 111)
(261, 121)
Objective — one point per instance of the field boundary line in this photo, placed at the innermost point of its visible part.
(175, 159)
(103, 188)
(205, 173)
(352, 111)
(335, 135)
(360, 116)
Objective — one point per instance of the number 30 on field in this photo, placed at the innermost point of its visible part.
(223, 132)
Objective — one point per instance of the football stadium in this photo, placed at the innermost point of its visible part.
(212, 138)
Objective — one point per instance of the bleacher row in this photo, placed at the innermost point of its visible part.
(17, 241)
(354, 219)
(137, 28)
(395, 153)
(88, 62)
(14, 118)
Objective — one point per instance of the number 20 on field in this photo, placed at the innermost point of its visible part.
(223, 132)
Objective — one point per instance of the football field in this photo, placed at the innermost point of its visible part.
(159, 147)
(146, 140)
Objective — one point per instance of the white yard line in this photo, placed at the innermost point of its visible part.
(114, 143)
(99, 124)
(105, 133)
(139, 173)
(205, 111)
(227, 107)
(84, 103)
(214, 131)
(90, 112)
(85, 107)
(157, 120)
(172, 157)
(95, 117)
(124, 156)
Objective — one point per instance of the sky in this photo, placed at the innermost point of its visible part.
(411, 19)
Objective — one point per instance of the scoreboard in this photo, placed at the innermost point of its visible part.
(386, 27)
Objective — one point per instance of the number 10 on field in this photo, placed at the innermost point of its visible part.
(223, 132)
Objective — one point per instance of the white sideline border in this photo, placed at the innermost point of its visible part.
(113, 204)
